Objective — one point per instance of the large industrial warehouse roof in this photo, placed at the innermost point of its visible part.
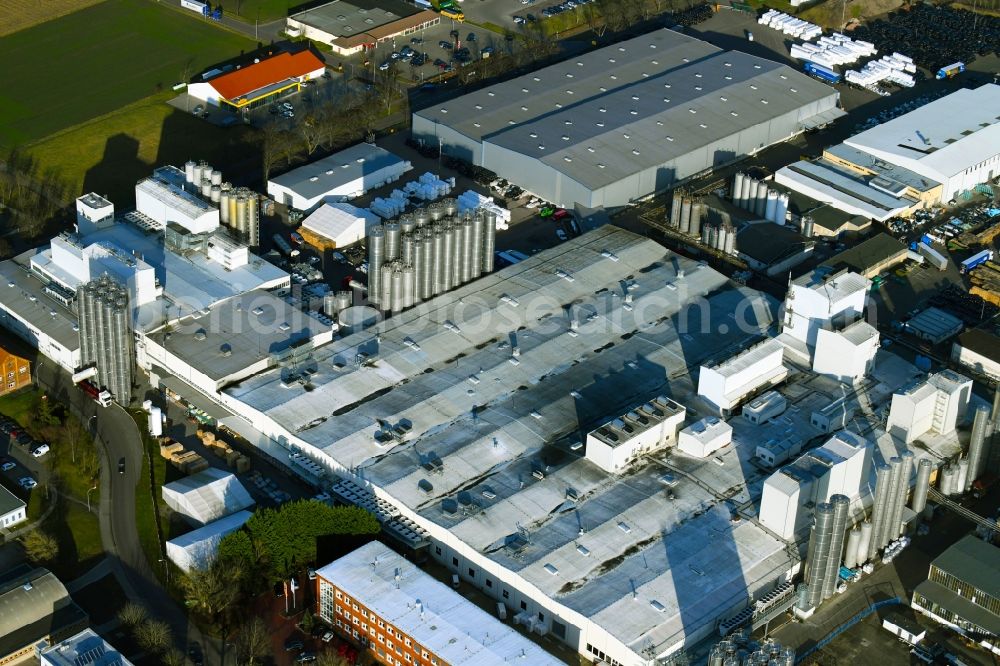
(479, 427)
(340, 169)
(345, 18)
(439, 619)
(945, 136)
(632, 106)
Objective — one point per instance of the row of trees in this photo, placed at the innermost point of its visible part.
(31, 196)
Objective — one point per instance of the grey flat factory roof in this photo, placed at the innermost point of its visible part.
(973, 561)
(238, 332)
(346, 19)
(624, 108)
(769, 243)
(319, 177)
(479, 426)
(841, 183)
(33, 604)
(24, 293)
(959, 605)
(875, 250)
(885, 169)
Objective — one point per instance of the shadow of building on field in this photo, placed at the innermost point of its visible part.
(112, 175)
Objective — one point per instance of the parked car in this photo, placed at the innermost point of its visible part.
(27, 482)
(445, 45)
(305, 657)
(293, 645)
(121, 465)
(417, 40)
(8, 465)
(471, 37)
(198, 110)
(40, 450)
(384, 66)
(327, 636)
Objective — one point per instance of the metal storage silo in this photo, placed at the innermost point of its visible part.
(685, 225)
(883, 480)
(385, 287)
(489, 240)
(924, 469)
(802, 596)
(963, 476)
(438, 260)
(425, 266)
(224, 207)
(460, 240)
(376, 257)
(781, 209)
(189, 167)
(737, 187)
(977, 444)
(199, 173)
(720, 238)
(450, 206)
(392, 240)
(761, 206)
(330, 304)
(215, 194)
(216, 177)
(851, 552)
(706, 234)
(819, 552)
(448, 258)
(435, 212)
(239, 214)
(409, 297)
(807, 226)
(397, 288)
(904, 487)
(730, 245)
(252, 233)
(948, 475)
(407, 223)
(478, 225)
(841, 505)
(675, 209)
(697, 209)
(233, 208)
(771, 204)
(882, 537)
(469, 253)
(421, 217)
(745, 191)
(751, 199)
(866, 542)
(206, 188)
(344, 300)
(408, 249)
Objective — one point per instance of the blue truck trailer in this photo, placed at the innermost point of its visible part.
(821, 72)
(976, 260)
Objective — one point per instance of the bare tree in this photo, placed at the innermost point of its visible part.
(595, 21)
(152, 636)
(132, 614)
(269, 150)
(173, 657)
(387, 85)
(253, 643)
(40, 547)
(211, 591)
(311, 132)
(331, 659)
(614, 14)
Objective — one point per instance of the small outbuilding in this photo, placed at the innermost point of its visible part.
(207, 496)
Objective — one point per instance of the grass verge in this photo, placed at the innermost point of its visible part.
(150, 519)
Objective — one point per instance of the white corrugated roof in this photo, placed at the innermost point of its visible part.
(340, 220)
(207, 495)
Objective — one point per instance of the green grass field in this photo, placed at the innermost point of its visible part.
(262, 10)
(86, 64)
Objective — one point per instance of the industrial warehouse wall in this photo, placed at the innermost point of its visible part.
(453, 143)
(553, 185)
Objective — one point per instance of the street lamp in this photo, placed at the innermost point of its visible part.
(88, 496)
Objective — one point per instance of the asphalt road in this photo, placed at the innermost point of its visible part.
(118, 437)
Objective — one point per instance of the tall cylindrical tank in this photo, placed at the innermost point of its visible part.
(407, 223)
(948, 475)
(408, 249)
(685, 225)
(233, 209)
(376, 257)
(489, 241)
(751, 198)
(841, 505)
(215, 194)
(963, 476)
(883, 481)
(706, 234)
(675, 209)
(189, 167)
(449, 258)
(224, 207)
(435, 211)
(866, 541)
(392, 240)
(745, 191)
(409, 286)
(425, 266)
(853, 544)
(807, 226)
(385, 287)
(438, 260)
(771, 205)
(252, 235)
(199, 171)
(450, 206)
(696, 212)
(478, 224)
(330, 304)
(896, 463)
(802, 596)
(239, 219)
(761, 205)
(819, 552)
(206, 188)
(397, 289)
(919, 501)
(904, 488)
(738, 187)
(781, 209)
(356, 318)
(216, 177)
(977, 444)
(720, 238)
(730, 245)
(421, 217)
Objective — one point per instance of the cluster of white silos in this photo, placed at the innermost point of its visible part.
(428, 252)
(737, 650)
(721, 237)
(758, 198)
(686, 214)
(239, 207)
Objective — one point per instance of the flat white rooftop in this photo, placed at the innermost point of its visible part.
(439, 619)
(84, 649)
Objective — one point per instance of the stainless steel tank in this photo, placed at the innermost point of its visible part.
(685, 225)
(421, 217)
(448, 257)
(450, 206)
(216, 177)
(738, 187)
(189, 167)
(330, 304)
(397, 289)
(376, 258)
(423, 264)
(489, 240)
(696, 212)
(438, 260)
(408, 249)
(407, 223)
(675, 209)
(392, 240)
(385, 287)
(409, 295)
(215, 194)
(478, 240)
